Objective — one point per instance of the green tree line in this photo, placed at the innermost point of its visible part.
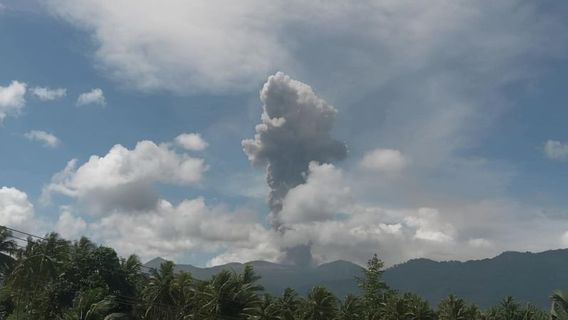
(53, 278)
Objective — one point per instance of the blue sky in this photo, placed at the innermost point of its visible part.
(453, 115)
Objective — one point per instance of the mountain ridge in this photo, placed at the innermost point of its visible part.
(527, 276)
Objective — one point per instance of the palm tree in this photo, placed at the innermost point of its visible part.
(38, 270)
(393, 308)
(158, 294)
(531, 312)
(453, 308)
(418, 308)
(247, 293)
(509, 309)
(93, 305)
(268, 309)
(39, 262)
(131, 266)
(351, 309)
(559, 306)
(183, 293)
(319, 305)
(289, 304)
(7, 250)
(218, 295)
(132, 275)
(231, 296)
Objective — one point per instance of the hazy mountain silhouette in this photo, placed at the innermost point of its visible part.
(337, 276)
(528, 277)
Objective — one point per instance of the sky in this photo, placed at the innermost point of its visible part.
(298, 132)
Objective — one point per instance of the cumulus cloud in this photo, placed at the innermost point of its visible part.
(295, 129)
(323, 216)
(335, 224)
(323, 197)
(69, 226)
(95, 96)
(12, 99)
(324, 221)
(399, 68)
(332, 226)
(397, 235)
(404, 233)
(48, 94)
(327, 215)
(169, 230)
(384, 160)
(364, 231)
(429, 226)
(16, 211)
(262, 245)
(191, 141)
(556, 150)
(181, 48)
(48, 139)
(123, 178)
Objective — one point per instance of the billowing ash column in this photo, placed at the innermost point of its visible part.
(294, 130)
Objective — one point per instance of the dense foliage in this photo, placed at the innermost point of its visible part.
(52, 278)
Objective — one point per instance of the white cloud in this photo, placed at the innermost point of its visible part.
(384, 160)
(48, 94)
(12, 99)
(401, 234)
(16, 211)
(185, 45)
(355, 237)
(95, 96)
(564, 240)
(70, 226)
(243, 184)
(338, 222)
(123, 178)
(201, 46)
(264, 244)
(459, 231)
(322, 197)
(191, 141)
(480, 243)
(437, 96)
(429, 226)
(170, 230)
(556, 150)
(48, 139)
(324, 214)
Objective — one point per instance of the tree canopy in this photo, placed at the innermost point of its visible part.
(53, 278)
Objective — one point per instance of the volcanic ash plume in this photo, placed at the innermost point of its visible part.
(294, 130)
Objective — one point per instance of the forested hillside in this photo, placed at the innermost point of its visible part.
(529, 277)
